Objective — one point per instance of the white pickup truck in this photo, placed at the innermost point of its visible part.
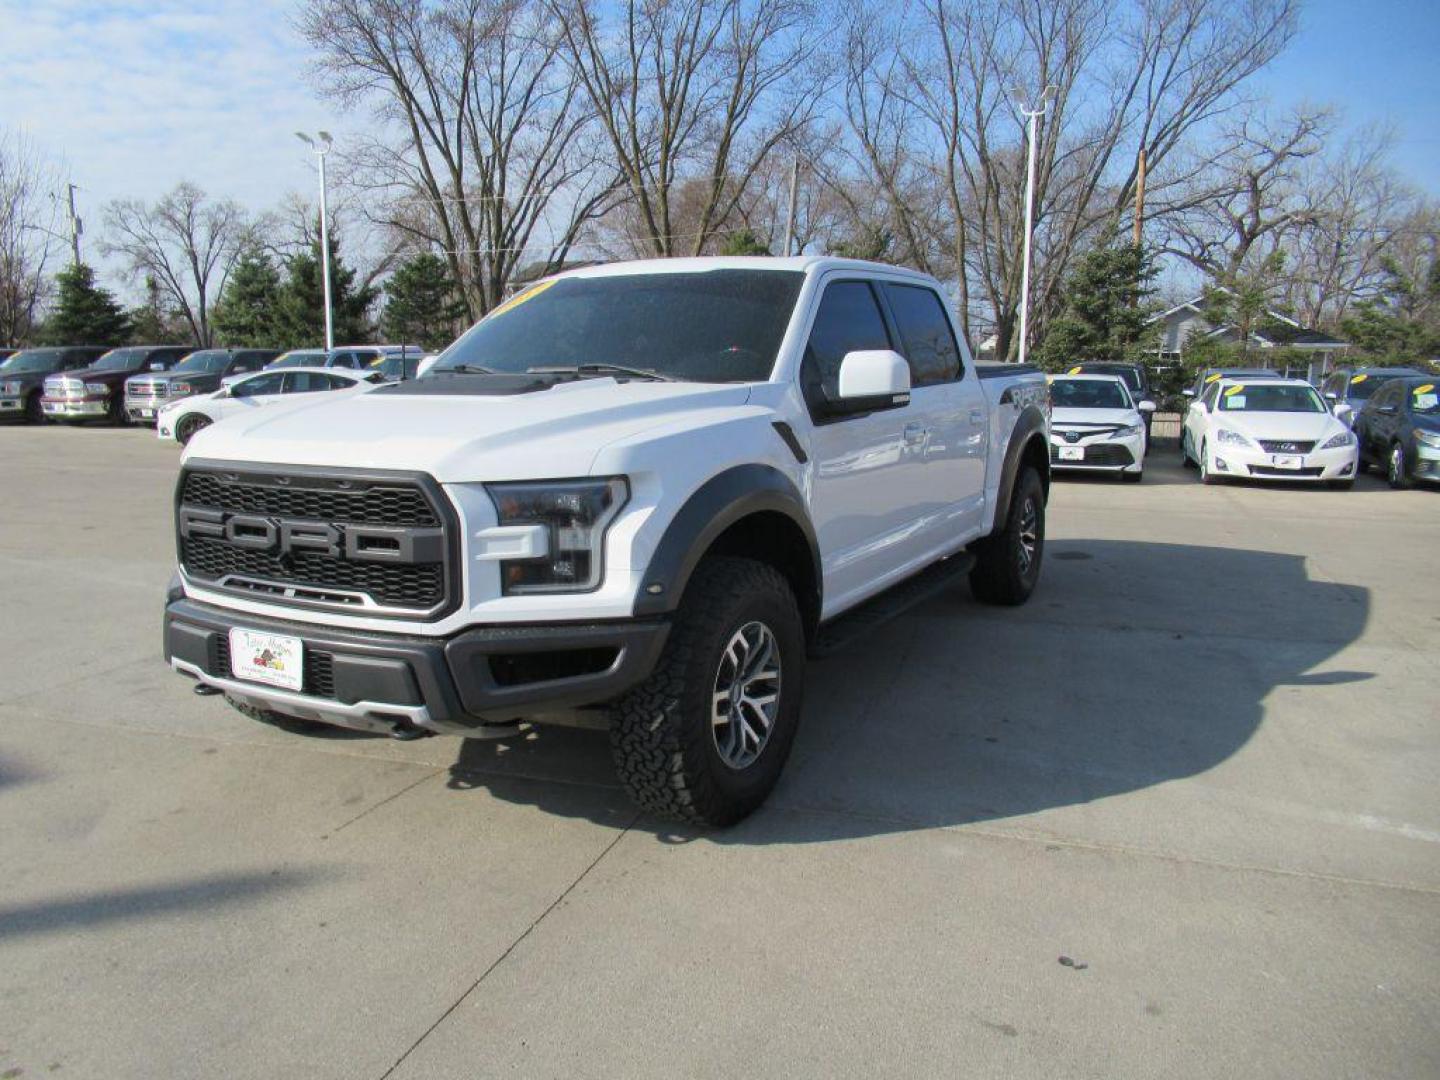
(646, 491)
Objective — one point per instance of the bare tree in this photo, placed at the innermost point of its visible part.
(693, 96)
(940, 95)
(186, 241)
(483, 151)
(29, 234)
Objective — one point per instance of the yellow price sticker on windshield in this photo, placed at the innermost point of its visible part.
(1214, 378)
(516, 301)
(1076, 370)
(1429, 386)
(1358, 379)
(1230, 391)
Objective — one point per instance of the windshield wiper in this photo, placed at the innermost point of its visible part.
(469, 369)
(603, 369)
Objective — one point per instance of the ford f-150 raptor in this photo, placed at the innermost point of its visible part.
(645, 488)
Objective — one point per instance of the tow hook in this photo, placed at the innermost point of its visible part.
(404, 731)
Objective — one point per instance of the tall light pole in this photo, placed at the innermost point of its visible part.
(321, 148)
(1032, 115)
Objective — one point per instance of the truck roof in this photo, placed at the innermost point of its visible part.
(796, 263)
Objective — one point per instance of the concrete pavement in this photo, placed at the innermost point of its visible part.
(1201, 765)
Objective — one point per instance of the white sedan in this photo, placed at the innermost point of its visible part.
(180, 420)
(1278, 429)
(1096, 425)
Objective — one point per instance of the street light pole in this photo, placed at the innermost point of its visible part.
(1032, 115)
(321, 149)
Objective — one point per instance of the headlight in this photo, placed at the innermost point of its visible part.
(1343, 438)
(1226, 437)
(1128, 432)
(9, 388)
(1429, 438)
(575, 515)
(181, 388)
(97, 388)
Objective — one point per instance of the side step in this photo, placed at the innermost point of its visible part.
(842, 630)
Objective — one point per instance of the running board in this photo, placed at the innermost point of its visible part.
(842, 630)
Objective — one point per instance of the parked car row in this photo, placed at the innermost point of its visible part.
(133, 384)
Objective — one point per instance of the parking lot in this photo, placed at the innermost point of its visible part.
(1180, 816)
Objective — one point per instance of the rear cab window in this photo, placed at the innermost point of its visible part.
(926, 334)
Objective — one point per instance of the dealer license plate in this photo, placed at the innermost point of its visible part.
(52, 406)
(1072, 453)
(1281, 462)
(146, 414)
(267, 658)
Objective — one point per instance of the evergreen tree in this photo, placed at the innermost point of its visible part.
(1105, 311)
(422, 303)
(744, 242)
(247, 312)
(84, 314)
(300, 309)
(1402, 324)
(153, 322)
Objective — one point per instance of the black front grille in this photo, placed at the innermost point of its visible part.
(1270, 470)
(1101, 455)
(315, 577)
(1283, 446)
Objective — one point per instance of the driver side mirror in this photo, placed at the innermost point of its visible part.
(1146, 406)
(1188, 393)
(1331, 396)
(871, 380)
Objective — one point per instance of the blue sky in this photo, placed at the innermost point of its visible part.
(134, 97)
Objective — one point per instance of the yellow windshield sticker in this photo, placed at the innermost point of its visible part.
(1425, 389)
(1358, 379)
(1213, 378)
(516, 301)
(1076, 370)
(1231, 391)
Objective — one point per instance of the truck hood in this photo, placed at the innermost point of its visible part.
(463, 436)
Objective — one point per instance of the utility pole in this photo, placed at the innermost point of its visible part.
(1032, 115)
(790, 213)
(321, 149)
(1139, 195)
(76, 225)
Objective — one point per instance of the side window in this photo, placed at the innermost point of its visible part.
(925, 332)
(849, 319)
(308, 382)
(261, 384)
(1210, 395)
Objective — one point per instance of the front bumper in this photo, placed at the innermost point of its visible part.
(1253, 463)
(1427, 463)
(1100, 455)
(88, 408)
(460, 685)
(145, 410)
(12, 406)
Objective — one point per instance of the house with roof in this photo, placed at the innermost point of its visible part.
(1306, 351)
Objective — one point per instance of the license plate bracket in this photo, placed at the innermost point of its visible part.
(273, 659)
(1286, 461)
(1072, 453)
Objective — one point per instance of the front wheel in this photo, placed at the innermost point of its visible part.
(187, 426)
(704, 738)
(1206, 476)
(1398, 471)
(1007, 563)
(34, 411)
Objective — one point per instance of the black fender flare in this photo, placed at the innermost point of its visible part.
(711, 509)
(1030, 426)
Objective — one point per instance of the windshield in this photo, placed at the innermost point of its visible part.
(1424, 400)
(32, 361)
(299, 358)
(120, 360)
(1263, 398)
(713, 326)
(393, 367)
(1088, 394)
(1129, 374)
(207, 361)
(1363, 385)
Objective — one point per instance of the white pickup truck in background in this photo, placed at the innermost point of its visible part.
(650, 489)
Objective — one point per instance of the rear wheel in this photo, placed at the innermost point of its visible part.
(1398, 471)
(188, 425)
(1185, 459)
(1007, 563)
(705, 737)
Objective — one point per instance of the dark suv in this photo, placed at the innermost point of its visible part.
(22, 376)
(98, 392)
(200, 372)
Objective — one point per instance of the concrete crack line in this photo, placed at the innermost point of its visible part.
(511, 947)
(1118, 849)
(388, 799)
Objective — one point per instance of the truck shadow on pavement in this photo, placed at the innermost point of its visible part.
(1133, 664)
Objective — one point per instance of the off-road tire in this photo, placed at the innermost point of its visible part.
(661, 732)
(188, 425)
(1001, 575)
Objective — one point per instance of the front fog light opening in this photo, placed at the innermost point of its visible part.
(575, 515)
(1220, 465)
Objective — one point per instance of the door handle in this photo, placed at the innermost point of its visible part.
(915, 433)
(977, 416)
